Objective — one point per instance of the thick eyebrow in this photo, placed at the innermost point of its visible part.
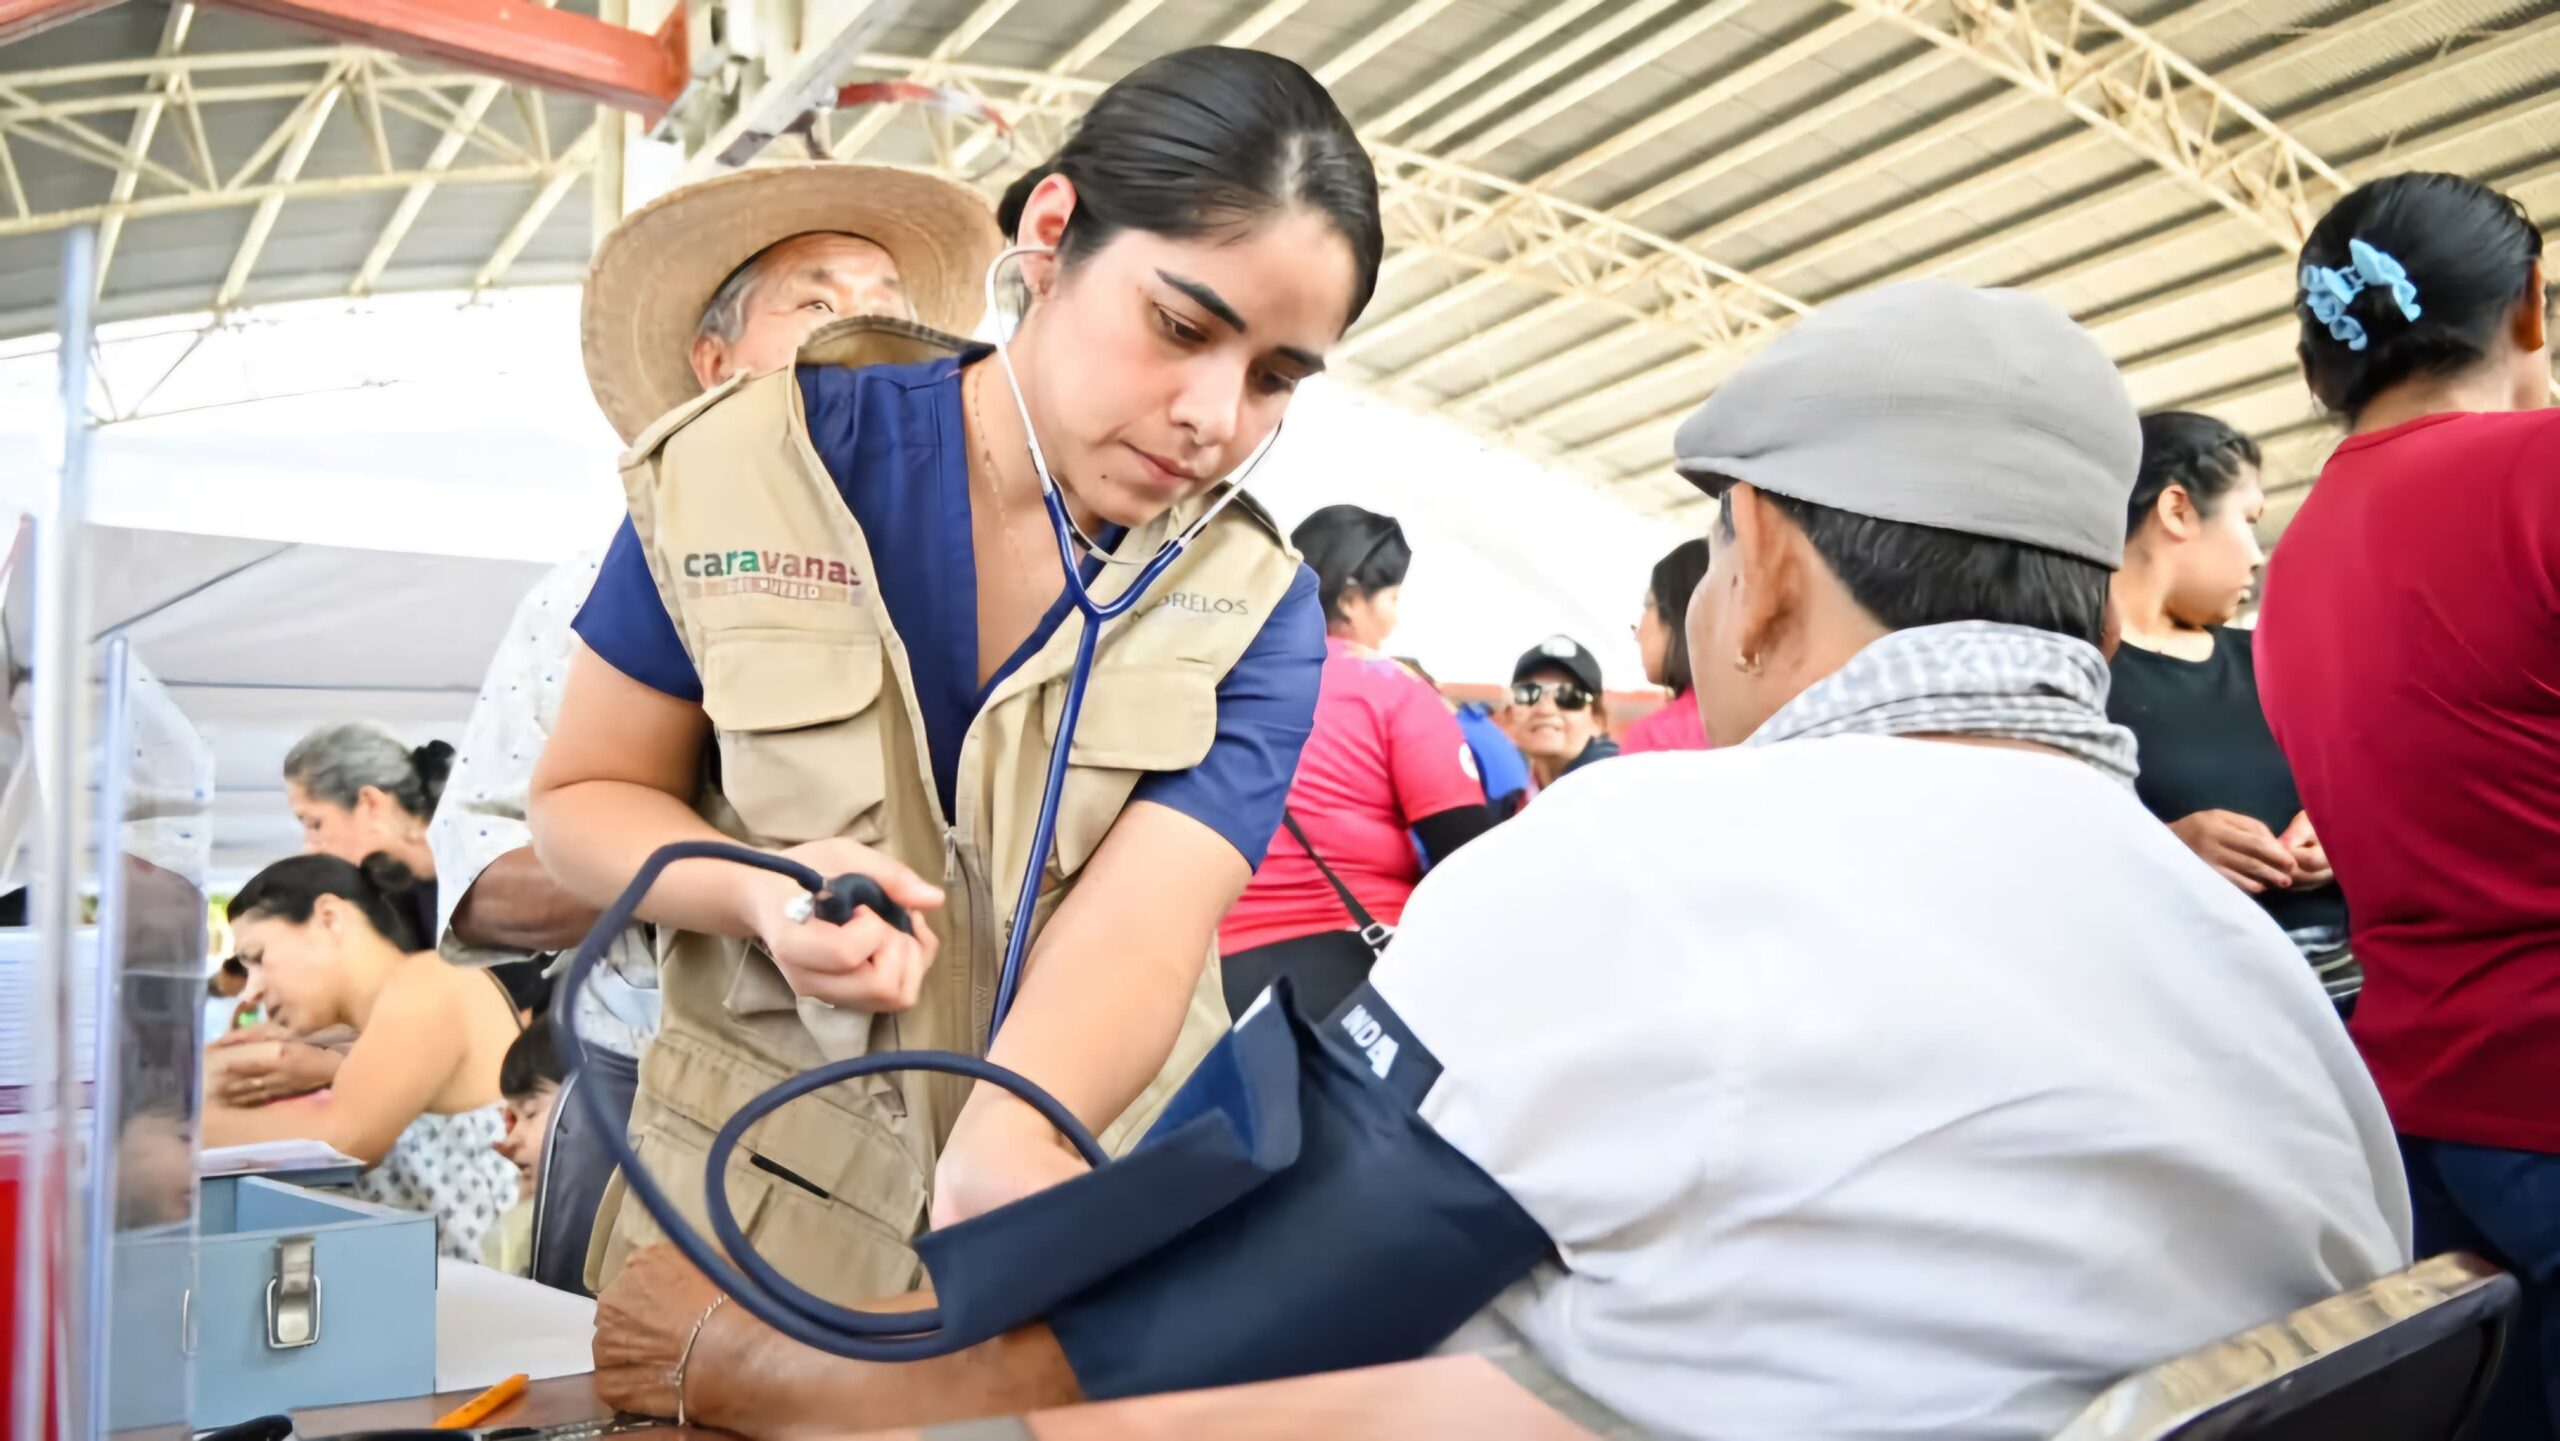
(1216, 304)
(1207, 299)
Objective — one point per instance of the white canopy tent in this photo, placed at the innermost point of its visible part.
(328, 511)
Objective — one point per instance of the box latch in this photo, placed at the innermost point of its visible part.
(293, 1297)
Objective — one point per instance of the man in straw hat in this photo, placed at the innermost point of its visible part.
(1885, 1071)
(721, 278)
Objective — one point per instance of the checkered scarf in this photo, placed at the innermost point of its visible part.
(1969, 678)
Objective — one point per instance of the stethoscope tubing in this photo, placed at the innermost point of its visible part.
(753, 1282)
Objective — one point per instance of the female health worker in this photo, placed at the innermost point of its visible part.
(838, 628)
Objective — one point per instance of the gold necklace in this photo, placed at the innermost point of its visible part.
(986, 452)
(995, 486)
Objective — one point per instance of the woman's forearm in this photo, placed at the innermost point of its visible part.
(1096, 1016)
(309, 1118)
(1112, 975)
(593, 837)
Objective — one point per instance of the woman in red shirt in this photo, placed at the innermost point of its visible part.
(2409, 663)
(1662, 637)
(1385, 765)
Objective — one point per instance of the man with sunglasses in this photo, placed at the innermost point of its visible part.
(1558, 717)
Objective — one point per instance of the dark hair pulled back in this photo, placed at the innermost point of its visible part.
(381, 889)
(2197, 453)
(1351, 548)
(1675, 579)
(1205, 140)
(2467, 249)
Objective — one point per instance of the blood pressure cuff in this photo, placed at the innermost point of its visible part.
(1289, 1212)
(1374, 1243)
(1235, 1124)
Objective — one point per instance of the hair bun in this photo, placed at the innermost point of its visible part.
(388, 874)
(434, 763)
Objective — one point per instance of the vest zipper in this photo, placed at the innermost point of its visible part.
(965, 895)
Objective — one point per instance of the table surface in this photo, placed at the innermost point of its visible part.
(1440, 1396)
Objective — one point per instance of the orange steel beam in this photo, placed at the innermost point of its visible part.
(22, 18)
(523, 43)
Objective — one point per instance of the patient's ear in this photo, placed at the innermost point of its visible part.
(1769, 580)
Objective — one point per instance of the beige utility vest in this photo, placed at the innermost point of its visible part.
(808, 687)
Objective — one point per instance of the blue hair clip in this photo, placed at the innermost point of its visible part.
(2327, 292)
(2378, 268)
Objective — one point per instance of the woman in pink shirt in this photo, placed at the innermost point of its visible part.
(1385, 764)
(1662, 638)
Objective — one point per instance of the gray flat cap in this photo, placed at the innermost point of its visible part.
(1982, 411)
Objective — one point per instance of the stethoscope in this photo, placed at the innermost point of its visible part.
(752, 1282)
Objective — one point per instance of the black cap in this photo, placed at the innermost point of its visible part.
(1564, 652)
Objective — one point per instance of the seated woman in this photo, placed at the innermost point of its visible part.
(330, 944)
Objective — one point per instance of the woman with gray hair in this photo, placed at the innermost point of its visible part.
(359, 791)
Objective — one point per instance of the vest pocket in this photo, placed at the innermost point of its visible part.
(830, 1193)
(1138, 720)
(799, 725)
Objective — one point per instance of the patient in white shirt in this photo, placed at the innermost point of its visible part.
(1888, 1070)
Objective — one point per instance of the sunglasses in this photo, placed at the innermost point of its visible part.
(1569, 696)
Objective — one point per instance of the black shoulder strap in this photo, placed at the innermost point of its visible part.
(514, 1012)
(1373, 933)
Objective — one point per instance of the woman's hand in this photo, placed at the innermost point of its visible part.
(1000, 1151)
(863, 965)
(643, 1320)
(2242, 848)
(2310, 858)
(254, 1066)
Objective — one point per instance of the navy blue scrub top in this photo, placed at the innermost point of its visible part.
(891, 436)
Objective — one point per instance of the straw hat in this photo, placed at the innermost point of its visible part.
(655, 272)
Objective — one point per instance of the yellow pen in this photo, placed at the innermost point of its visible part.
(479, 1408)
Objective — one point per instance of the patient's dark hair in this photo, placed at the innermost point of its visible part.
(1908, 576)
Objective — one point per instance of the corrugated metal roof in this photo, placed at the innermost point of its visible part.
(1732, 160)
